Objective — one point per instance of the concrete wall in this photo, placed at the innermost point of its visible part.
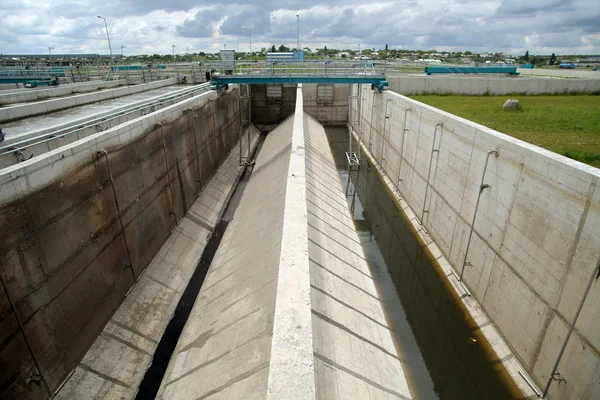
(269, 111)
(535, 242)
(563, 73)
(493, 85)
(42, 107)
(335, 113)
(73, 243)
(25, 95)
(32, 144)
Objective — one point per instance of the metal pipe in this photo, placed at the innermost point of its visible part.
(433, 150)
(359, 106)
(199, 180)
(401, 152)
(249, 104)
(372, 123)
(112, 185)
(386, 117)
(482, 187)
(10, 148)
(27, 343)
(595, 275)
(241, 131)
(168, 172)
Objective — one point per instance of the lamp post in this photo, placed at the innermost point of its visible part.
(298, 39)
(250, 36)
(108, 37)
(122, 47)
(50, 51)
(173, 49)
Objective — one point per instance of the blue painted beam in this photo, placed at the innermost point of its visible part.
(249, 80)
(376, 81)
(470, 70)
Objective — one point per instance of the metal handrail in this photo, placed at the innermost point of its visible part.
(46, 137)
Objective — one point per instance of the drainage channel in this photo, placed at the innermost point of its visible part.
(429, 331)
(154, 375)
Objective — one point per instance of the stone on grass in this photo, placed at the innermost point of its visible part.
(511, 104)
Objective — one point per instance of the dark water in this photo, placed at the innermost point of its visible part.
(429, 330)
(154, 375)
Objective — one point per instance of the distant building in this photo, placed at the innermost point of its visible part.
(285, 57)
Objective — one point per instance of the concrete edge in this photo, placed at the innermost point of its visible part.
(38, 172)
(291, 369)
(78, 122)
(488, 337)
(507, 139)
(24, 95)
(12, 113)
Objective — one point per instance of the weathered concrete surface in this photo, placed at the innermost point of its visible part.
(493, 85)
(355, 356)
(27, 94)
(29, 109)
(290, 269)
(37, 135)
(535, 241)
(72, 246)
(271, 104)
(224, 349)
(442, 317)
(292, 364)
(327, 110)
(117, 361)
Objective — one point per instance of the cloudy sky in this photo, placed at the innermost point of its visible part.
(152, 26)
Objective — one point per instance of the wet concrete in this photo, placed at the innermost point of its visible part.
(431, 335)
(31, 124)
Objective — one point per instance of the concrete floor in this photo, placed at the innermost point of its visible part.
(116, 363)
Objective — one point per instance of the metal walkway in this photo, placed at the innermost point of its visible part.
(293, 73)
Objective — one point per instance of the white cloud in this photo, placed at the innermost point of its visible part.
(540, 26)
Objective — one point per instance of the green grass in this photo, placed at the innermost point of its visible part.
(566, 124)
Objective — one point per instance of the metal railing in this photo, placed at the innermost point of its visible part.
(282, 69)
(17, 148)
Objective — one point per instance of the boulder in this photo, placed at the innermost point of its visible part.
(511, 104)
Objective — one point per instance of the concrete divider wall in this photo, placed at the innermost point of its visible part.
(74, 243)
(492, 85)
(80, 127)
(564, 73)
(327, 113)
(535, 239)
(42, 107)
(24, 95)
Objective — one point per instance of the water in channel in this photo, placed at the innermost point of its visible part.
(417, 375)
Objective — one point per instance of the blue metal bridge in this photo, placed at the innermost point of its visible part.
(315, 73)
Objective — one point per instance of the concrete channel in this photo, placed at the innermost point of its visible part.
(189, 254)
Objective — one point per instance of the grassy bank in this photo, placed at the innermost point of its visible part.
(568, 125)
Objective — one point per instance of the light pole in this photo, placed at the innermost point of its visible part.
(250, 36)
(298, 39)
(108, 37)
(50, 51)
(173, 49)
(122, 55)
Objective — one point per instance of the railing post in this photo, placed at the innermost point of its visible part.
(595, 276)
(482, 187)
(433, 150)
